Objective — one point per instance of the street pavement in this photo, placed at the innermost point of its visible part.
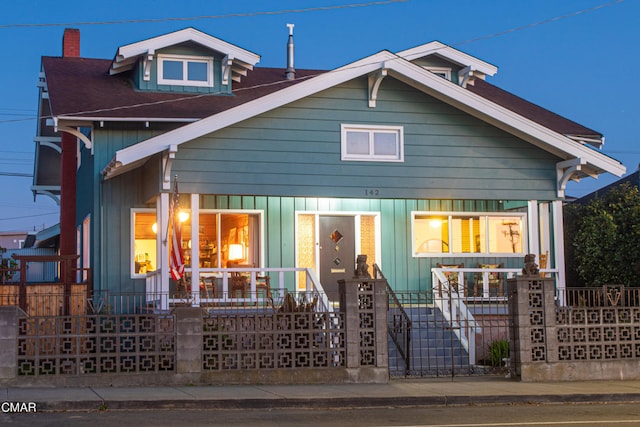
(404, 392)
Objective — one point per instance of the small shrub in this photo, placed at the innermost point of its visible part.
(498, 350)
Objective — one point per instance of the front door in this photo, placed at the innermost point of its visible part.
(337, 252)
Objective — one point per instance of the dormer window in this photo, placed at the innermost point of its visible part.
(185, 70)
(443, 72)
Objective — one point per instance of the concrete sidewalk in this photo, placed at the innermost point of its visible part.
(416, 392)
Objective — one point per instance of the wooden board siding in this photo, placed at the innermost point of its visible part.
(288, 159)
(403, 271)
(109, 202)
(295, 151)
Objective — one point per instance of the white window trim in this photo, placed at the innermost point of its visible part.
(399, 130)
(484, 215)
(86, 246)
(445, 71)
(132, 242)
(185, 59)
(195, 237)
(356, 215)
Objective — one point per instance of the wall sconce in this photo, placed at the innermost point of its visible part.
(236, 252)
(154, 228)
(183, 216)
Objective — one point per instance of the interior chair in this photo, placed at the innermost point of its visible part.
(452, 276)
(263, 287)
(544, 260)
(496, 281)
(238, 282)
(209, 287)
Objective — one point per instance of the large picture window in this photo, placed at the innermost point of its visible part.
(372, 143)
(185, 70)
(437, 233)
(225, 239)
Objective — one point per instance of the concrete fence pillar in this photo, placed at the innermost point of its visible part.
(9, 341)
(533, 323)
(364, 302)
(188, 340)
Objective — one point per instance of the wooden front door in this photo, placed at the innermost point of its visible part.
(337, 252)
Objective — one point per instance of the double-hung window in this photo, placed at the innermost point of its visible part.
(372, 143)
(441, 233)
(185, 70)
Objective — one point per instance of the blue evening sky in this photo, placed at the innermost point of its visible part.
(578, 58)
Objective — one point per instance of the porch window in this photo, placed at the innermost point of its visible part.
(185, 70)
(372, 143)
(224, 238)
(143, 242)
(443, 234)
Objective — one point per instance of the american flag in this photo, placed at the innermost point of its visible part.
(176, 256)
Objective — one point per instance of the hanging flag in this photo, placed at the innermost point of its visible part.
(176, 256)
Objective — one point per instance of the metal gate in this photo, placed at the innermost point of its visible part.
(427, 338)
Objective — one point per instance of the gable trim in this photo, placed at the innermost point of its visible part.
(127, 55)
(447, 52)
(399, 68)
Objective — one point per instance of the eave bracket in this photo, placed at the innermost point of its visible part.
(88, 142)
(375, 80)
(565, 171)
(167, 162)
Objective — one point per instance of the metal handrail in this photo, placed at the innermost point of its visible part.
(401, 331)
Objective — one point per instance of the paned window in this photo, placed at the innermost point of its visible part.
(143, 242)
(372, 143)
(437, 233)
(185, 70)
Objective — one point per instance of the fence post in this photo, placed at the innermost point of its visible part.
(188, 340)
(9, 342)
(532, 308)
(364, 302)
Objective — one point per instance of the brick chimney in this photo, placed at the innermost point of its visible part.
(71, 43)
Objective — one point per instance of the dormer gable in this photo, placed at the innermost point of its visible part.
(187, 60)
(449, 63)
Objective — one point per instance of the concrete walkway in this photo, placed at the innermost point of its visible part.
(418, 392)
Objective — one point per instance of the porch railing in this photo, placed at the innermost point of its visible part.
(455, 311)
(214, 286)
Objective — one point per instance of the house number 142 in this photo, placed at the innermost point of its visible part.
(371, 192)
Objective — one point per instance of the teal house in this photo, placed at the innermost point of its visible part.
(412, 158)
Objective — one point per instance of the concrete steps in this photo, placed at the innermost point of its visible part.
(435, 350)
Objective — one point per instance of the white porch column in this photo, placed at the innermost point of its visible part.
(558, 250)
(545, 232)
(534, 227)
(195, 249)
(162, 212)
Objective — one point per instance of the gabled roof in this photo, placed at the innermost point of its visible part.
(453, 55)
(127, 56)
(82, 89)
(584, 160)
(537, 114)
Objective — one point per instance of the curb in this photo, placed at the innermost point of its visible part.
(337, 403)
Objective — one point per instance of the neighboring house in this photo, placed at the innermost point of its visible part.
(411, 158)
(633, 179)
(13, 239)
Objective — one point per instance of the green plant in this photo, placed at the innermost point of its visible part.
(9, 269)
(498, 350)
(602, 238)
